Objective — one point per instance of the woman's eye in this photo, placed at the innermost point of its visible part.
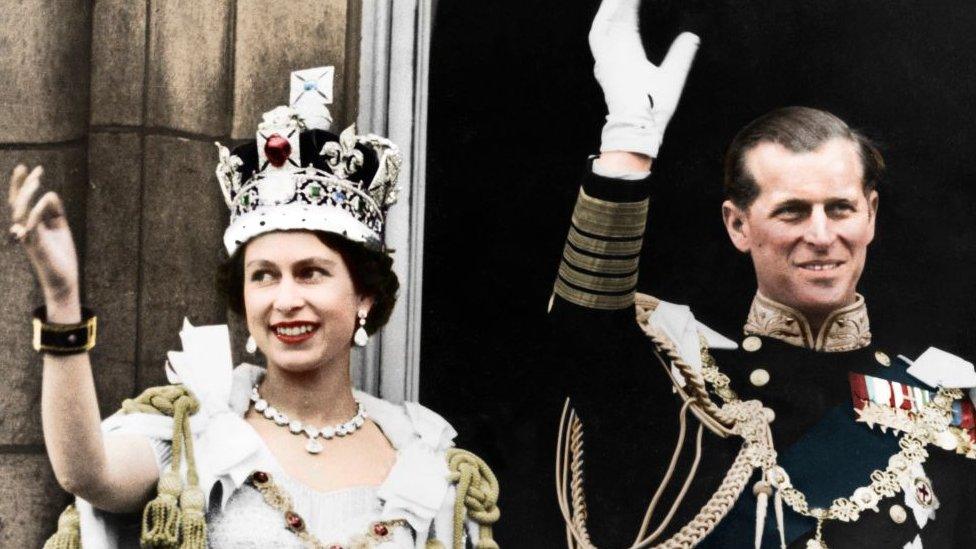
(261, 276)
(314, 274)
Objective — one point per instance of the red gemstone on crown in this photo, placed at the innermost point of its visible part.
(259, 477)
(381, 530)
(277, 149)
(295, 522)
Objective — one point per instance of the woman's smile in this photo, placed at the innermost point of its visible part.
(295, 331)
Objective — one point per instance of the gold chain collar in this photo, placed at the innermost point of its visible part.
(751, 422)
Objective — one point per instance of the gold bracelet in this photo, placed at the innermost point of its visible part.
(64, 339)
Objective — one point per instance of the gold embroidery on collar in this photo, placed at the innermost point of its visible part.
(845, 329)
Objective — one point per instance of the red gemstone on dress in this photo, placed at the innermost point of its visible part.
(336, 546)
(381, 530)
(295, 522)
(277, 149)
(259, 477)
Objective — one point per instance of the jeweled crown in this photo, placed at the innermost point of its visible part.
(298, 175)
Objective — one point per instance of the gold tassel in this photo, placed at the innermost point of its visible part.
(778, 506)
(434, 544)
(68, 535)
(161, 517)
(193, 528)
(761, 490)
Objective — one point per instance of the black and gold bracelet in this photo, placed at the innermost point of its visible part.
(64, 339)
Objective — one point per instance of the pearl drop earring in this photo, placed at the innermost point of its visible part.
(361, 338)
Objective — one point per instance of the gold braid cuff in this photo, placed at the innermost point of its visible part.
(611, 219)
(596, 282)
(477, 497)
(581, 261)
(595, 245)
(600, 259)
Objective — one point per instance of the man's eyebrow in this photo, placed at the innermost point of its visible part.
(790, 204)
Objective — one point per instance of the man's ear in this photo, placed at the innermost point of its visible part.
(872, 211)
(737, 224)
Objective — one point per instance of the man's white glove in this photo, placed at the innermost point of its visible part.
(640, 97)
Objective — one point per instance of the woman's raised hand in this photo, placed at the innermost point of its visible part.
(641, 97)
(44, 232)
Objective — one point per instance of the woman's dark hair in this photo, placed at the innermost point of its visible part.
(371, 272)
(798, 129)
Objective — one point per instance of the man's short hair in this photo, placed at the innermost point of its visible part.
(798, 129)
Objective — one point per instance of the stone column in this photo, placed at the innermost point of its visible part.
(44, 75)
(121, 101)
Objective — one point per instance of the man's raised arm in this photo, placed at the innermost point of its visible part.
(600, 258)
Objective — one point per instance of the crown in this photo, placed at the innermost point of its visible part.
(298, 175)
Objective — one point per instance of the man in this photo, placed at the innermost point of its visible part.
(802, 201)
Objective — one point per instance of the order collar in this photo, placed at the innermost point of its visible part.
(845, 329)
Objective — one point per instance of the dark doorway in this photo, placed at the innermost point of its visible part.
(514, 112)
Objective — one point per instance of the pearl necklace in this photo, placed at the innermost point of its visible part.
(296, 427)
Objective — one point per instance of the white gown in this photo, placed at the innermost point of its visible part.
(228, 450)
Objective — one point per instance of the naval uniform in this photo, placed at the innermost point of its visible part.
(815, 383)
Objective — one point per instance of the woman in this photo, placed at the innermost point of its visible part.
(285, 456)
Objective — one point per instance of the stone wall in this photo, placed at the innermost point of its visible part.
(121, 101)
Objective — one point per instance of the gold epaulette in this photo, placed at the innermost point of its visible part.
(477, 496)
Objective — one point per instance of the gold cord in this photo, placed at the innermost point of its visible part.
(574, 512)
(576, 474)
(684, 489)
(682, 429)
(477, 496)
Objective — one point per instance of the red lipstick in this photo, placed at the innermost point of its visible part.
(294, 332)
